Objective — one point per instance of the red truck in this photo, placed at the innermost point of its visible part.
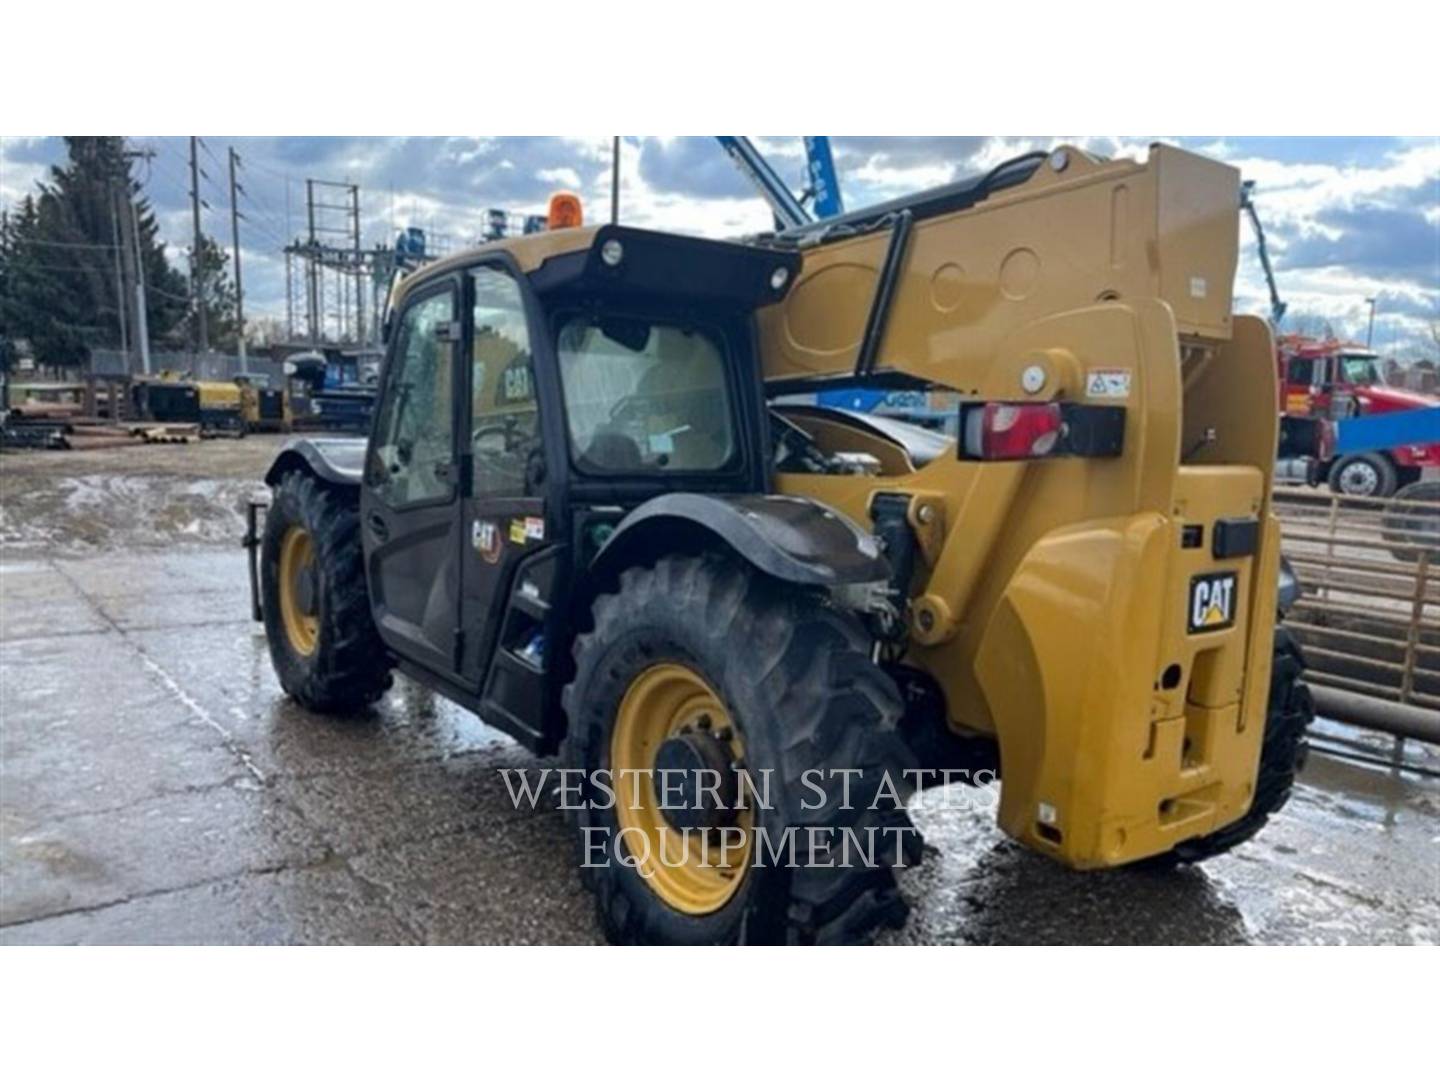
(1336, 380)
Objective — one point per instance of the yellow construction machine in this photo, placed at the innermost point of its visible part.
(591, 510)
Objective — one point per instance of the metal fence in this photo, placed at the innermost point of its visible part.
(220, 367)
(1369, 616)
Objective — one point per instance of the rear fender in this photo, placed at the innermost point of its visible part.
(792, 539)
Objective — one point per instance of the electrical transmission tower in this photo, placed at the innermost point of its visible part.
(332, 268)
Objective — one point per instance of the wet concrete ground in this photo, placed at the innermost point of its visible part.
(156, 787)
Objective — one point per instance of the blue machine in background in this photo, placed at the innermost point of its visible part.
(822, 192)
(824, 184)
(1381, 431)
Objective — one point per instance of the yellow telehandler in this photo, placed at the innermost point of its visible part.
(591, 510)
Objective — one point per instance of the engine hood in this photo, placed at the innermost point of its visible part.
(1391, 399)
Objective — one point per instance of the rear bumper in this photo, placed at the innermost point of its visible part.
(1122, 731)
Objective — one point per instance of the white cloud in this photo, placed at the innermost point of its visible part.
(1319, 199)
(564, 177)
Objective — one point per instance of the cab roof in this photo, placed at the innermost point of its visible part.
(655, 264)
(528, 251)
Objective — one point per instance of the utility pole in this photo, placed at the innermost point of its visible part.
(312, 269)
(142, 322)
(235, 240)
(121, 303)
(615, 181)
(360, 335)
(203, 338)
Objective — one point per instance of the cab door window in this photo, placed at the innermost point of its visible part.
(413, 454)
(504, 432)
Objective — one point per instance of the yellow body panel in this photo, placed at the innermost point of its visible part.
(528, 251)
(250, 409)
(219, 395)
(1095, 231)
(1051, 603)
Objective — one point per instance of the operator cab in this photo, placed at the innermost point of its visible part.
(535, 392)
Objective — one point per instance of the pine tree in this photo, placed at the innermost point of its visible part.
(60, 289)
(217, 293)
(40, 302)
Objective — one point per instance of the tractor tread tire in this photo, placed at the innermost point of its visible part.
(798, 677)
(1282, 754)
(350, 668)
(1406, 530)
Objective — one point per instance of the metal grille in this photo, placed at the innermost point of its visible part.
(1369, 616)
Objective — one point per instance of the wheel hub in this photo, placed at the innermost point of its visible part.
(299, 591)
(305, 589)
(1359, 479)
(670, 717)
(695, 781)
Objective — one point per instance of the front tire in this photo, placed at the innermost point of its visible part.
(697, 648)
(323, 642)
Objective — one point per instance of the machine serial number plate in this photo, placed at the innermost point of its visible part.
(1212, 602)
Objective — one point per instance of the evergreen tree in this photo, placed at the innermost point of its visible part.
(217, 293)
(39, 301)
(60, 282)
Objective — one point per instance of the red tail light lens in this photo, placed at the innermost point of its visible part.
(1003, 432)
(1022, 431)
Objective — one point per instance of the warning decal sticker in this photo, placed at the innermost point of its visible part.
(1108, 383)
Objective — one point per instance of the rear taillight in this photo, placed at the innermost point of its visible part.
(999, 432)
(1020, 431)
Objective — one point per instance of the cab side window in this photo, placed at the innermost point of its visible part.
(504, 431)
(413, 455)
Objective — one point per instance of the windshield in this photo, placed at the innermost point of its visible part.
(1360, 370)
(644, 396)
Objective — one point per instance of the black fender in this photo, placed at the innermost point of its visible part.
(790, 538)
(335, 460)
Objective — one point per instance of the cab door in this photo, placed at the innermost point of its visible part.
(409, 502)
(513, 570)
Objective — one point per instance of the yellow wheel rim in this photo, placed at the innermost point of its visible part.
(297, 558)
(692, 871)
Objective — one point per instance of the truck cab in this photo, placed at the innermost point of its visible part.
(1336, 381)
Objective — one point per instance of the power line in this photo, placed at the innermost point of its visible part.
(265, 221)
(94, 269)
(66, 244)
(166, 292)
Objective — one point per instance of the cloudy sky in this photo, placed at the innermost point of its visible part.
(1347, 217)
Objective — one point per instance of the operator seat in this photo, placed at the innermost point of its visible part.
(685, 393)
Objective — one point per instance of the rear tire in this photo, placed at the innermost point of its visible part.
(1412, 528)
(1370, 475)
(325, 648)
(1282, 755)
(795, 678)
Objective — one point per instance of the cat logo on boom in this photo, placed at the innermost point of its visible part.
(1212, 602)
